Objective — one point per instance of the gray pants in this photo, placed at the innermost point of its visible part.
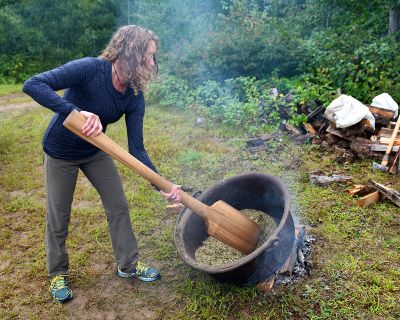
(61, 176)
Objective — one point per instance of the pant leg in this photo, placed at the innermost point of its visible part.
(60, 178)
(104, 176)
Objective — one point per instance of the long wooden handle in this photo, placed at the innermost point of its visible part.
(385, 159)
(75, 121)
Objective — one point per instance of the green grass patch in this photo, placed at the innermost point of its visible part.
(356, 256)
(6, 89)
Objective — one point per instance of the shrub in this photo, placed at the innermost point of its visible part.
(170, 91)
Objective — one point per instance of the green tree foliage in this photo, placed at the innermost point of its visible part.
(320, 46)
(36, 35)
(311, 48)
(334, 44)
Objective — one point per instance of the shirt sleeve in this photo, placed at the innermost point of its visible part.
(42, 87)
(134, 124)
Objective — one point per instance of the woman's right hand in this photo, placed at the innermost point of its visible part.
(174, 195)
(92, 125)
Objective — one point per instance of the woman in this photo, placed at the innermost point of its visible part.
(102, 89)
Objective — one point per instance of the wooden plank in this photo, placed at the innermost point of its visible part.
(382, 147)
(354, 191)
(369, 199)
(385, 140)
(387, 133)
(391, 194)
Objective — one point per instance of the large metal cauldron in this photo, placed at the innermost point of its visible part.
(245, 191)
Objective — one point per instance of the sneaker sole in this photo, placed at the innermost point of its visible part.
(148, 279)
(127, 275)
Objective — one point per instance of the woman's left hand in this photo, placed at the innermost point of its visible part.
(174, 195)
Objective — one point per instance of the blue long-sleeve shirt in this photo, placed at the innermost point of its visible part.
(88, 87)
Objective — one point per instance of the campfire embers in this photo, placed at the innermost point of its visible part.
(246, 191)
(302, 264)
(297, 265)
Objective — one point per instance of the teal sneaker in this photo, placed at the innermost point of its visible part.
(60, 290)
(142, 272)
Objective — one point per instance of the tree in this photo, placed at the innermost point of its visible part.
(394, 19)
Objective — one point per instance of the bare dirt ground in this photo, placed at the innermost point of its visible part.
(9, 103)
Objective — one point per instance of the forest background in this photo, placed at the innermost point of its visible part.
(222, 56)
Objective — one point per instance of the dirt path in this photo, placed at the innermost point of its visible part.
(10, 103)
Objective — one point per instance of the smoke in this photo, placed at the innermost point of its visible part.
(184, 28)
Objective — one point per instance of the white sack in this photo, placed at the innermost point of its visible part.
(345, 111)
(385, 101)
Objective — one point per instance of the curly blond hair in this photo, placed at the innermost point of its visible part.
(128, 46)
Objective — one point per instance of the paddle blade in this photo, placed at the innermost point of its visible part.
(230, 226)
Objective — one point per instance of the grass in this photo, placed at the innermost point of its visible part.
(6, 89)
(356, 258)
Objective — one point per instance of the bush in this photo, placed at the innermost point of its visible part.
(170, 91)
(243, 103)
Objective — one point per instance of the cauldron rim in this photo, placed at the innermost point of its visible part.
(222, 268)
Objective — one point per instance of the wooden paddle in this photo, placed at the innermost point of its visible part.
(223, 222)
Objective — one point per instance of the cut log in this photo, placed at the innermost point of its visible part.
(258, 141)
(309, 128)
(380, 113)
(302, 138)
(360, 190)
(390, 193)
(326, 180)
(174, 208)
(331, 139)
(292, 129)
(344, 155)
(369, 199)
(339, 133)
(360, 129)
(267, 284)
(356, 188)
(287, 268)
(362, 147)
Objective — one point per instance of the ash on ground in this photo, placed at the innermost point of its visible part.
(303, 264)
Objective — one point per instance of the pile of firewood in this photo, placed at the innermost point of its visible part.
(357, 141)
(373, 193)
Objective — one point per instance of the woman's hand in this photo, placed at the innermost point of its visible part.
(174, 195)
(92, 125)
